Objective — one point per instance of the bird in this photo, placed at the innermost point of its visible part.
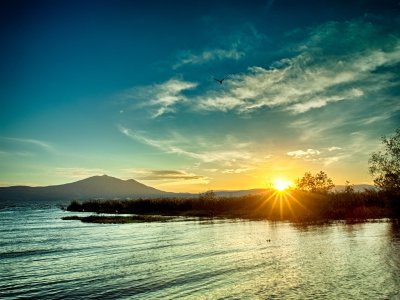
(219, 80)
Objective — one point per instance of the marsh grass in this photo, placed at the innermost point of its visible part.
(118, 219)
(292, 205)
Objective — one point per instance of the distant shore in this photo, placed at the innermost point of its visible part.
(103, 219)
(295, 206)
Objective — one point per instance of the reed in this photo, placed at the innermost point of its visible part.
(291, 205)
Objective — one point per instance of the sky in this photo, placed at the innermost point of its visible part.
(128, 89)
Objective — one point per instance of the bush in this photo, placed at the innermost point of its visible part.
(385, 166)
(319, 183)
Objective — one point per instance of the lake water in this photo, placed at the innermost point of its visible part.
(42, 256)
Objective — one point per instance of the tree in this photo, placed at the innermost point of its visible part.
(385, 165)
(319, 183)
(208, 196)
(348, 188)
(307, 183)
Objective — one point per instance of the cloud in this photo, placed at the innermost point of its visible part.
(237, 171)
(330, 160)
(312, 155)
(16, 153)
(308, 154)
(202, 181)
(237, 153)
(323, 101)
(12, 147)
(33, 142)
(161, 98)
(168, 175)
(336, 62)
(234, 46)
(375, 115)
(79, 173)
(382, 117)
(333, 148)
(189, 58)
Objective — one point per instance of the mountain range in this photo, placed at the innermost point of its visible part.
(96, 187)
(106, 187)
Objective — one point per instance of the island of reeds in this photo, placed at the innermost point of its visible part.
(292, 205)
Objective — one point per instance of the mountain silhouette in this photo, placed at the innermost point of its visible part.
(105, 188)
(96, 187)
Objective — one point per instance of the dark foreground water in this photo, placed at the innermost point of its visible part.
(42, 256)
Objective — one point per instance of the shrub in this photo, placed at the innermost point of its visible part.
(385, 166)
(319, 183)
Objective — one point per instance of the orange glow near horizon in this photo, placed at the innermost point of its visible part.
(281, 184)
(279, 203)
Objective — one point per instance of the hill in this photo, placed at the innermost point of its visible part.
(356, 187)
(107, 187)
(96, 187)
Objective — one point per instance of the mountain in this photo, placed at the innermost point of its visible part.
(239, 193)
(96, 187)
(106, 187)
(356, 187)
(337, 188)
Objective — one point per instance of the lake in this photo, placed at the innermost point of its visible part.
(42, 256)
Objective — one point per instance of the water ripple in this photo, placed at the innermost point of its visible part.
(42, 256)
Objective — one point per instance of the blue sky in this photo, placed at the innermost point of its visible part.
(127, 89)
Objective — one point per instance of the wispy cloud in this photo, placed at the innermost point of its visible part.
(148, 174)
(32, 142)
(160, 98)
(237, 171)
(333, 148)
(78, 173)
(381, 117)
(237, 152)
(167, 177)
(190, 58)
(16, 153)
(316, 75)
(234, 46)
(25, 148)
(313, 155)
(307, 154)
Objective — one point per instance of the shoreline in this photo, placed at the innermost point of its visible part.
(115, 219)
(293, 206)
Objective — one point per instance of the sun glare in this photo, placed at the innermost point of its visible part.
(281, 184)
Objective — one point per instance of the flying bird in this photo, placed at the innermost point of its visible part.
(220, 80)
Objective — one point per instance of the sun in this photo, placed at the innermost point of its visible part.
(281, 184)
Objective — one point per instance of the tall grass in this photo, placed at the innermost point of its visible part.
(291, 205)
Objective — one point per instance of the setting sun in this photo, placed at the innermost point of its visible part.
(281, 184)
